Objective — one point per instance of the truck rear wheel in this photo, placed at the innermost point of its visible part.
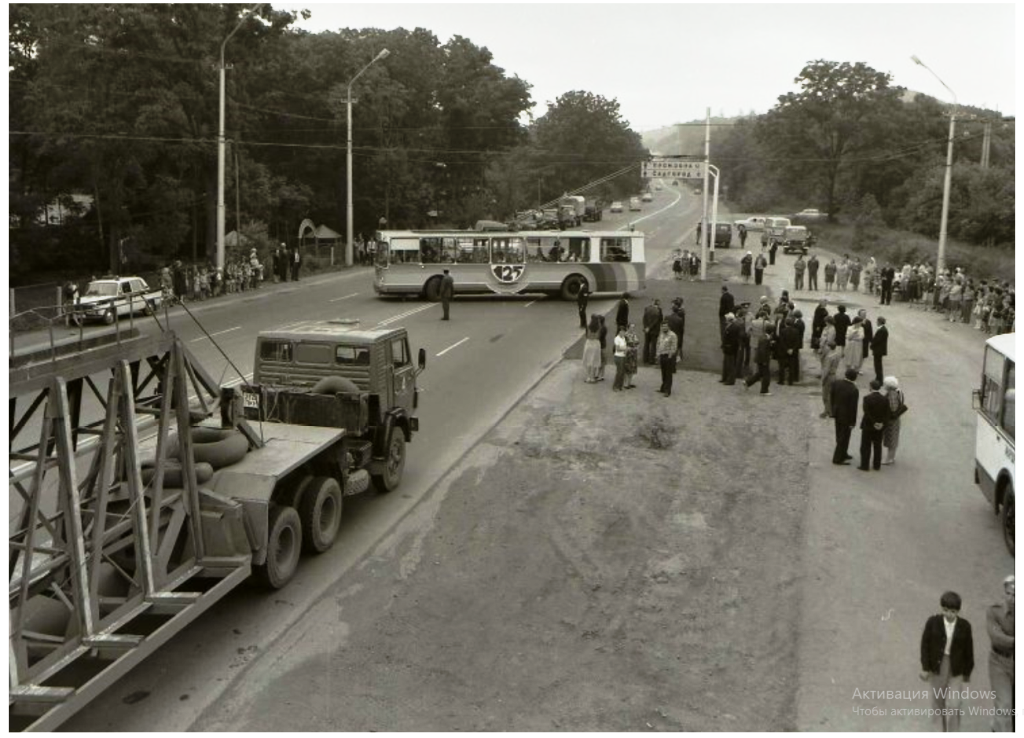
(320, 513)
(394, 462)
(433, 289)
(284, 544)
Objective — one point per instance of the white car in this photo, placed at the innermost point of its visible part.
(753, 223)
(109, 299)
(616, 207)
(647, 197)
(634, 204)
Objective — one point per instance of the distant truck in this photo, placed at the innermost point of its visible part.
(571, 209)
(593, 210)
(723, 235)
(795, 239)
(774, 228)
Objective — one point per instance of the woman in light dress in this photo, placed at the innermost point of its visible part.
(853, 353)
(891, 433)
(592, 351)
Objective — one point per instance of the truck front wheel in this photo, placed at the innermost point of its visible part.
(394, 462)
(284, 544)
(320, 513)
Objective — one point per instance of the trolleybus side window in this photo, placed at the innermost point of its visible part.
(449, 250)
(430, 250)
(616, 249)
(507, 250)
(991, 391)
(545, 248)
(579, 250)
(473, 250)
(405, 250)
(1009, 401)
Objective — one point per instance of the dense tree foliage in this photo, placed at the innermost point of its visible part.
(119, 103)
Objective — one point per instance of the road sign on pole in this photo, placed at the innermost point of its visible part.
(670, 167)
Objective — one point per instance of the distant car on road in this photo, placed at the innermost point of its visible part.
(809, 215)
(753, 223)
(723, 235)
(634, 204)
(647, 197)
(108, 299)
(616, 207)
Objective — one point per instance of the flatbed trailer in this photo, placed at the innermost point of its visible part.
(104, 567)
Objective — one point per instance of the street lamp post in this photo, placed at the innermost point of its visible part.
(221, 147)
(348, 159)
(940, 258)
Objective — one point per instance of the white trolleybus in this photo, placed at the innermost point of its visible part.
(993, 455)
(553, 262)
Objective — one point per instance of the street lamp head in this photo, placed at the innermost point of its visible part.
(382, 55)
(917, 61)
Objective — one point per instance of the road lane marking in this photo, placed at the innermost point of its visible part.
(672, 204)
(452, 346)
(218, 333)
(406, 314)
(529, 303)
(346, 297)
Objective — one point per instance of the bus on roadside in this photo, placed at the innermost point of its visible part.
(558, 263)
(994, 454)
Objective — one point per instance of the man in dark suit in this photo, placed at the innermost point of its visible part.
(872, 423)
(730, 346)
(622, 314)
(844, 410)
(879, 346)
(652, 327)
(582, 297)
(677, 324)
(842, 321)
(888, 275)
(789, 346)
(726, 305)
(947, 659)
(818, 323)
(447, 292)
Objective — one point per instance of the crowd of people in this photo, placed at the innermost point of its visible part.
(195, 282)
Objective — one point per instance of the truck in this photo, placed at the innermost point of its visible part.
(774, 228)
(593, 210)
(795, 239)
(571, 209)
(119, 539)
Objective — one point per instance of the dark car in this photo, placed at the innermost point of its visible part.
(723, 235)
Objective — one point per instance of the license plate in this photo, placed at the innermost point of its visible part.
(251, 400)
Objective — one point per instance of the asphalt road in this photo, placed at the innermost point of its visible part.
(479, 365)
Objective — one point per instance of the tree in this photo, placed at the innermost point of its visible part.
(842, 110)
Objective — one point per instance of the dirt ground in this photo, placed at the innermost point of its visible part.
(600, 561)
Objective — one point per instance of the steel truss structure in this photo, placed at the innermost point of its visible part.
(104, 566)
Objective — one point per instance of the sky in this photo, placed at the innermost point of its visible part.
(669, 63)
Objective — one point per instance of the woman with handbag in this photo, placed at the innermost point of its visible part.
(891, 433)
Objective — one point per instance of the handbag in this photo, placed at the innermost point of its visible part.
(902, 408)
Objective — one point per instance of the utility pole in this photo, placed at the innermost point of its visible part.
(704, 191)
(986, 144)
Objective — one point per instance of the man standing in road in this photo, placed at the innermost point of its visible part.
(947, 660)
(772, 248)
(622, 313)
(818, 323)
(879, 346)
(812, 273)
(762, 358)
(447, 291)
(842, 322)
(652, 325)
(582, 297)
(1000, 660)
(876, 415)
(888, 274)
(789, 345)
(730, 346)
(726, 305)
(759, 264)
(743, 235)
(844, 410)
(667, 358)
(296, 264)
(677, 324)
(798, 272)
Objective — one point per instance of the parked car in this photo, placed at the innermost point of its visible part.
(616, 207)
(753, 223)
(634, 204)
(811, 214)
(108, 299)
(795, 239)
(647, 197)
(723, 235)
(774, 227)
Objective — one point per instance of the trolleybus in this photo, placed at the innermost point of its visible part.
(511, 262)
(994, 454)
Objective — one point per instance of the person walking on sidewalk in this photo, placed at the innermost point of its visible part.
(999, 620)
(947, 660)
